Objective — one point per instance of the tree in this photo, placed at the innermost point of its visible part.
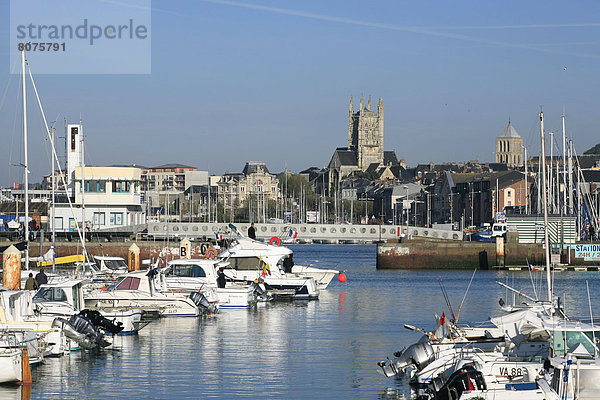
(593, 150)
(294, 183)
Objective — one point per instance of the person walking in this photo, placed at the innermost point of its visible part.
(252, 232)
(31, 283)
(41, 277)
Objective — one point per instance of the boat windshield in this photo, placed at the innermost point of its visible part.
(115, 264)
(564, 340)
(50, 294)
(187, 271)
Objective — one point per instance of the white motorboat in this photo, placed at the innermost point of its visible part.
(251, 261)
(275, 255)
(112, 265)
(137, 290)
(11, 369)
(66, 299)
(201, 275)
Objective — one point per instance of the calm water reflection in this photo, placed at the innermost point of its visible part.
(320, 349)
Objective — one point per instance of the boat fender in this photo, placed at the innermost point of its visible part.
(275, 241)
(211, 253)
(203, 248)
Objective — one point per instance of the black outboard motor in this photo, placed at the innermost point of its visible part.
(102, 322)
(83, 325)
(465, 379)
(260, 292)
(202, 302)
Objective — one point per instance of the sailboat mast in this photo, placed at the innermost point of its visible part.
(526, 186)
(545, 206)
(25, 162)
(82, 187)
(564, 143)
(53, 208)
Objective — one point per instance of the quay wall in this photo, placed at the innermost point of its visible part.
(429, 254)
(148, 250)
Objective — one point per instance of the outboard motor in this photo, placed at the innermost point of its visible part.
(101, 322)
(202, 302)
(85, 326)
(260, 291)
(466, 378)
(417, 355)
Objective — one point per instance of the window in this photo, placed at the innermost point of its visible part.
(246, 263)
(188, 271)
(95, 186)
(116, 218)
(121, 186)
(129, 283)
(50, 294)
(99, 219)
(58, 223)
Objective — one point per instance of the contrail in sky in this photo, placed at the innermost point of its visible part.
(430, 31)
(418, 30)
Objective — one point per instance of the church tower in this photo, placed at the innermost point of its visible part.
(509, 147)
(365, 133)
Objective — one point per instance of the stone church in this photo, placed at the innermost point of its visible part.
(509, 147)
(365, 144)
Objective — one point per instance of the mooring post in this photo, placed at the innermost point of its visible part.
(185, 248)
(12, 268)
(134, 257)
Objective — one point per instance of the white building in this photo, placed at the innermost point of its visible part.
(112, 199)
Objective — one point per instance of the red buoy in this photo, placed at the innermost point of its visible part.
(342, 277)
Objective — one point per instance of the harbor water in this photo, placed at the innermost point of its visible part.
(317, 349)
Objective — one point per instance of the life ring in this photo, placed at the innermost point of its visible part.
(203, 248)
(275, 241)
(211, 253)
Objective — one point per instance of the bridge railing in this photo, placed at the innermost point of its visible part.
(324, 232)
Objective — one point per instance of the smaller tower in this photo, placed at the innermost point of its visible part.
(509, 147)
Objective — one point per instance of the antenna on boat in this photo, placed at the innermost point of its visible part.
(591, 318)
(446, 298)
(465, 296)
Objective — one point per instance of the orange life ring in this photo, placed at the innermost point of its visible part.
(211, 253)
(275, 241)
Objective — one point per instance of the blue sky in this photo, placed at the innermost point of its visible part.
(271, 80)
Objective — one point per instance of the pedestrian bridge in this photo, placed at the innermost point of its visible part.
(319, 233)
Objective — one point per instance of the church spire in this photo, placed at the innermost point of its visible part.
(362, 103)
(351, 105)
(369, 105)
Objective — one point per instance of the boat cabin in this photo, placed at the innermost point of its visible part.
(62, 298)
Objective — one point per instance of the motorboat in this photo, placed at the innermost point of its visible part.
(250, 261)
(17, 315)
(201, 275)
(275, 256)
(111, 265)
(11, 358)
(137, 290)
(67, 298)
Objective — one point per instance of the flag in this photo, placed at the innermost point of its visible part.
(293, 234)
(218, 236)
(443, 318)
(530, 267)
